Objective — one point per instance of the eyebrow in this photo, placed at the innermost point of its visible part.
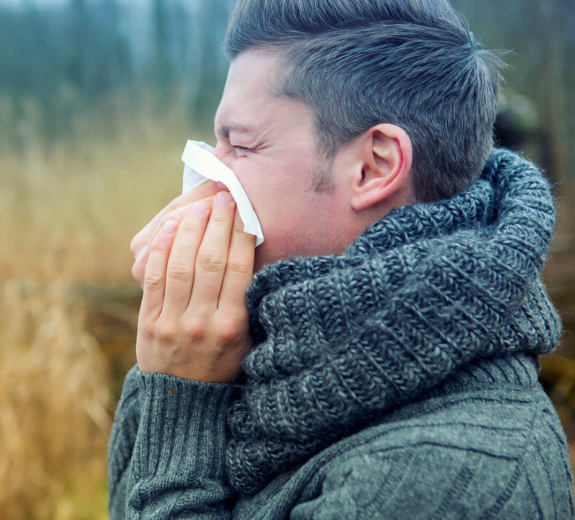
(225, 130)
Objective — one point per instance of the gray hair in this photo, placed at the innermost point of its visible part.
(359, 63)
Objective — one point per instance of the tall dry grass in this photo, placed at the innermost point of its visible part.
(54, 418)
(68, 213)
(70, 208)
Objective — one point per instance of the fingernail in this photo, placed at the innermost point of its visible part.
(199, 208)
(169, 227)
(221, 185)
(224, 198)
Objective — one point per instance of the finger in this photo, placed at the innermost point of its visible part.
(155, 278)
(206, 189)
(213, 256)
(202, 191)
(182, 262)
(139, 267)
(239, 269)
(177, 215)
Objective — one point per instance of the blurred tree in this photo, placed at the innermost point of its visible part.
(541, 36)
(72, 56)
(212, 18)
(162, 70)
(79, 60)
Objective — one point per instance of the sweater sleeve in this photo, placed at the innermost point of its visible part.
(177, 469)
(121, 444)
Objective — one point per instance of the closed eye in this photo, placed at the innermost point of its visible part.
(244, 148)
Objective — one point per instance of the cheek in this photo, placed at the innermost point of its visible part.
(279, 193)
(269, 189)
(247, 177)
(258, 191)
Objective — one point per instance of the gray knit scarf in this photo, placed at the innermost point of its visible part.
(338, 341)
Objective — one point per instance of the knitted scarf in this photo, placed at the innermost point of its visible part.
(421, 293)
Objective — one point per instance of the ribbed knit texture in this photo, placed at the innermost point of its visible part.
(178, 452)
(422, 292)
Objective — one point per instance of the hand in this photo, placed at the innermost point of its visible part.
(176, 210)
(193, 320)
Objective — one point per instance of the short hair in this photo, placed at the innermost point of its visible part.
(359, 63)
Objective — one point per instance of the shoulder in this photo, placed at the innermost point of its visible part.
(500, 453)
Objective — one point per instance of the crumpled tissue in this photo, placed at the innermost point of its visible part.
(202, 165)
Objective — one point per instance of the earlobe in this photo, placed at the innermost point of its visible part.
(386, 166)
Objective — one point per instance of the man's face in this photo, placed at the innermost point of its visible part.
(269, 142)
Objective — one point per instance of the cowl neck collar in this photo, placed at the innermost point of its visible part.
(423, 292)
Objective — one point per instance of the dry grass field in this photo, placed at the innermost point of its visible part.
(69, 213)
(68, 308)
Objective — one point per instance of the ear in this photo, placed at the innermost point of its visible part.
(386, 163)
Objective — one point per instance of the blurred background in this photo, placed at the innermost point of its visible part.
(97, 100)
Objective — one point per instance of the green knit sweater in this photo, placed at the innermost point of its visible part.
(488, 444)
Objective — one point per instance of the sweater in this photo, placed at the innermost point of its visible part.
(396, 380)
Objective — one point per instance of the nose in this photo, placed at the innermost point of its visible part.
(219, 152)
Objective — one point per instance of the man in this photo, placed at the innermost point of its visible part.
(382, 362)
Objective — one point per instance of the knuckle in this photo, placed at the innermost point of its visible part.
(157, 245)
(238, 266)
(219, 220)
(211, 261)
(180, 271)
(196, 330)
(147, 328)
(153, 279)
(230, 331)
(189, 224)
(167, 332)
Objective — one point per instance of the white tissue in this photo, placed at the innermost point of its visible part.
(201, 165)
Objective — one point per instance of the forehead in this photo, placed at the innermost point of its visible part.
(250, 97)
